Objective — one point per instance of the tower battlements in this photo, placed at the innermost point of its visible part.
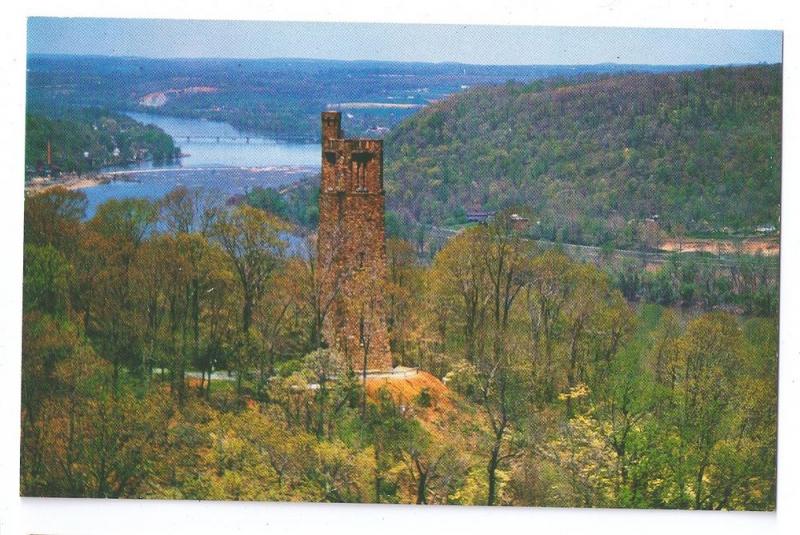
(351, 246)
(352, 165)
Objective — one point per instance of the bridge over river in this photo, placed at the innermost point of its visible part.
(226, 139)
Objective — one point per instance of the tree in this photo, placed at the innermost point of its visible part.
(183, 211)
(664, 351)
(586, 461)
(87, 436)
(46, 341)
(111, 246)
(459, 276)
(128, 220)
(175, 275)
(551, 282)
(388, 427)
(596, 320)
(507, 260)
(267, 199)
(623, 408)
(434, 464)
(334, 391)
(403, 291)
(47, 280)
(499, 389)
(321, 280)
(282, 320)
(53, 217)
(711, 357)
(252, 240)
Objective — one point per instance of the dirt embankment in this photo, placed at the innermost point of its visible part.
(763, 246)
(40, 184)
(421, 392)
(159, 98)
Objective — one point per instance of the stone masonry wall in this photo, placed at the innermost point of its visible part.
(351, 246)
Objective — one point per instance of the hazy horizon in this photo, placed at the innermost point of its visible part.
(330, 60)
(401, 43)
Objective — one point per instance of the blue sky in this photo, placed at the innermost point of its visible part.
(501, 45)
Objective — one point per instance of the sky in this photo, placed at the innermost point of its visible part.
(497, 45)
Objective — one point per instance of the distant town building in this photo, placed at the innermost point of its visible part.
(519, 223)
(766, 229)
(479, 217)
(378, 130)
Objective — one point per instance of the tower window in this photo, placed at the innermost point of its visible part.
(360, 160)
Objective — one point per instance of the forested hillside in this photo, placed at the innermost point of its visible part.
(700, 149)
(89, 139)
(151, 368)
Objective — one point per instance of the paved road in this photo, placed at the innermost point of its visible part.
(647, 258)
(217, 375)
(397, 373)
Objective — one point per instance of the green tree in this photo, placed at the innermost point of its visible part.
(711, 357)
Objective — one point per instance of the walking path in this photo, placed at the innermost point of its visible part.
(397, 373)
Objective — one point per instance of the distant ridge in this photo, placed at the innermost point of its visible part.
(279, 97)
(700, 149)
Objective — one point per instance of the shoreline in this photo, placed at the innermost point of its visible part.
(752, 245)
(42, 184)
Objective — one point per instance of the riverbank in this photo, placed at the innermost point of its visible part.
(766, 246)
(73, 182)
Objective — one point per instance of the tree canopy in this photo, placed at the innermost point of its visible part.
(701, 150)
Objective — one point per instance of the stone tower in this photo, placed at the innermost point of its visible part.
(351, 247)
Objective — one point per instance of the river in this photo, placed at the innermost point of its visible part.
(229, 165)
